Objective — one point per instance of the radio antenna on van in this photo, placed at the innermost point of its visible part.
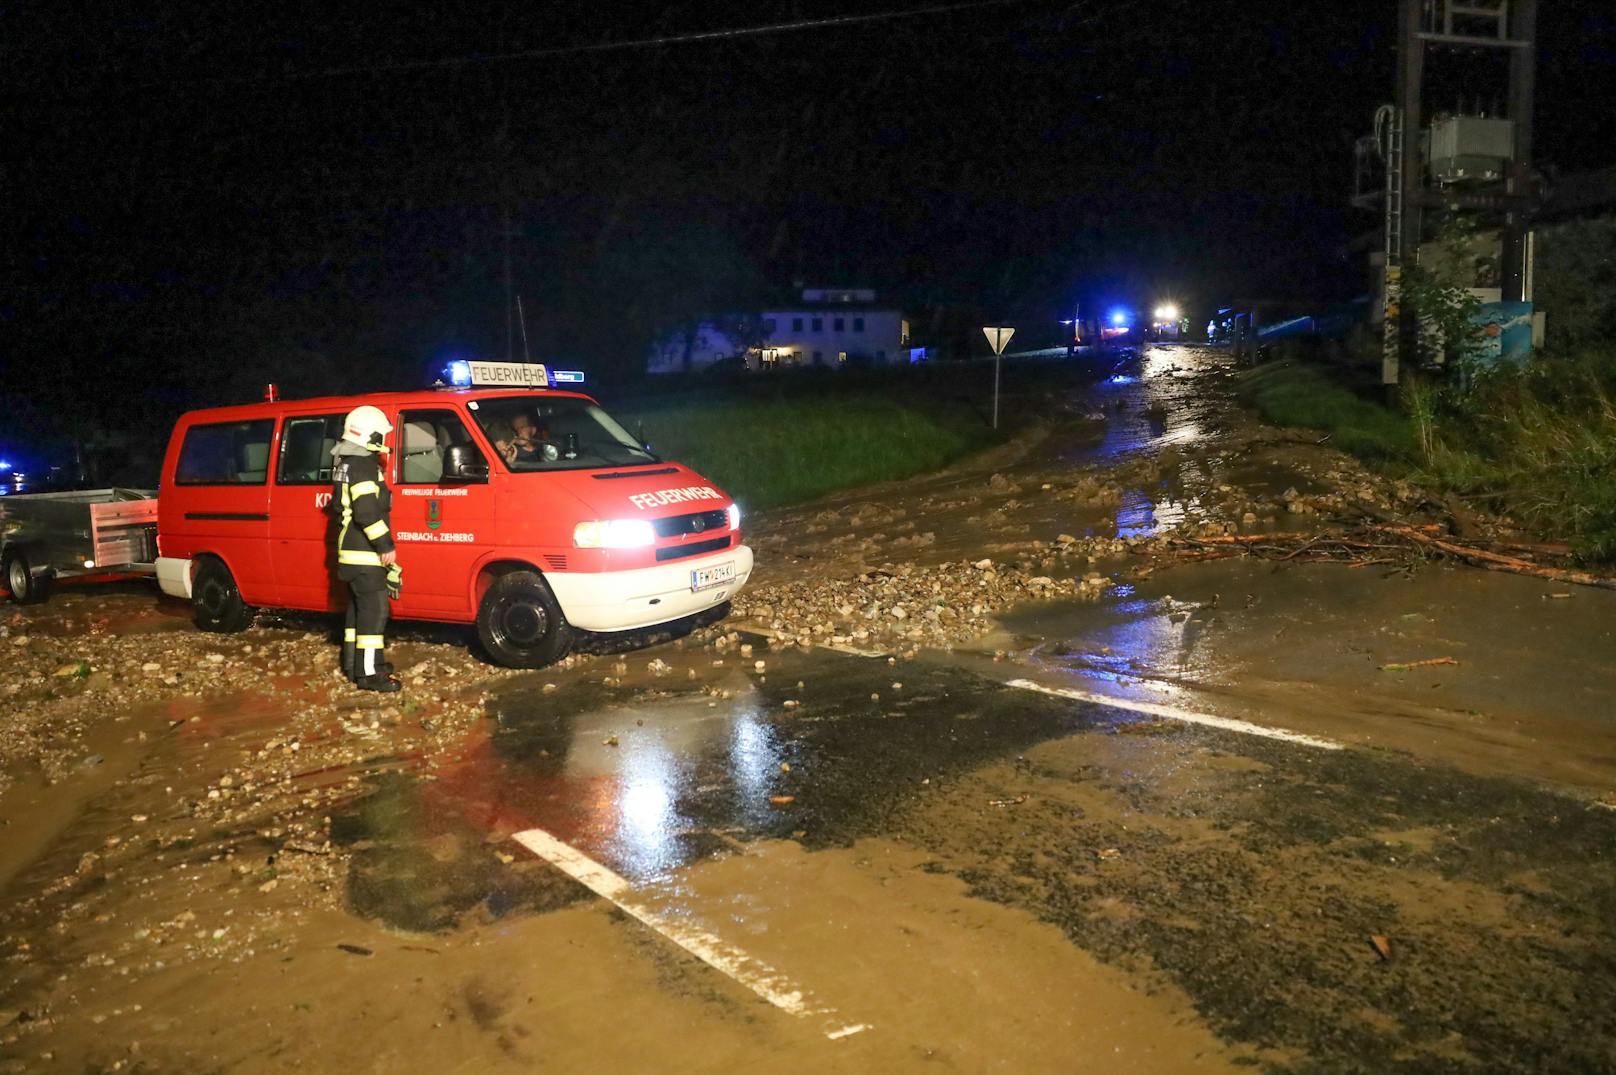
(521, 319)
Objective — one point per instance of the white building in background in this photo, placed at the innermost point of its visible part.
(830, 327)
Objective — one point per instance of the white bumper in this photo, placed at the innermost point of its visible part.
(174, 576)
(626, 600)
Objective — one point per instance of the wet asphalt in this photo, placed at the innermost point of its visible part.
(1361, 910)
(1251, 874)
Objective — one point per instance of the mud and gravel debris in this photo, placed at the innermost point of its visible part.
(905, 605)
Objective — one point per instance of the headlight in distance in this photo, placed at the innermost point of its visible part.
(614, 534)
(734, 511)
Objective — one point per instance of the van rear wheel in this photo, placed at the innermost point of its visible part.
(520, 624)
(216, 600)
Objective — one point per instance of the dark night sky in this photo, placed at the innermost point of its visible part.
(188, 212)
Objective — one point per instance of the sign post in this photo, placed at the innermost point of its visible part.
(997, 338)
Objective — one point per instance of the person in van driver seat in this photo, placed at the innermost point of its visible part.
(365, 550)
(521, 440)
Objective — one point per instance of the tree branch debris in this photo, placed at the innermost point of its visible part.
(1377, 544)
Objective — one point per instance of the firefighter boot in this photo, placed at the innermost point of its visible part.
(374, 673)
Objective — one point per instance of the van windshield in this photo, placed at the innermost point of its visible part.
(536, 432)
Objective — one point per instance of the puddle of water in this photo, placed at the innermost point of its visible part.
(648, 781)
(95, 606)
(1140, 516)
(1148, 406)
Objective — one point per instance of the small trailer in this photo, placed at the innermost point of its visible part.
(45, 536)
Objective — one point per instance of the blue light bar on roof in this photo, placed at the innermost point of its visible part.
(477, 373)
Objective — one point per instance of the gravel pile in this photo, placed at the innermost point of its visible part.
(907, 605)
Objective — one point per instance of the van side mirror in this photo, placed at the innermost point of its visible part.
(464, 463)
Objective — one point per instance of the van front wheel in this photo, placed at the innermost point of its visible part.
(217, 602)
(520, 623)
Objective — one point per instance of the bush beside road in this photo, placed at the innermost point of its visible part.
(1537, 445)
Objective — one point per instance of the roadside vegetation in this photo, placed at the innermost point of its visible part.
(1538, 444)
(768, 452)
(1291, 393)
(788, 436)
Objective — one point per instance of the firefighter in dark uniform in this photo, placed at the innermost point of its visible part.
(366, 558)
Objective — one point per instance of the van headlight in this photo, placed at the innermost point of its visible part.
(734, 511)
(614, 534)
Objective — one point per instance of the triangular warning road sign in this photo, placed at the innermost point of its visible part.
(998, 337)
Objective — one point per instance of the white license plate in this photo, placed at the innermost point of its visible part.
(707, 577)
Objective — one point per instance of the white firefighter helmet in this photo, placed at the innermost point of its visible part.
(366, 426)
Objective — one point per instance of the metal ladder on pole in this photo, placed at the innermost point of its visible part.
(1391, 338)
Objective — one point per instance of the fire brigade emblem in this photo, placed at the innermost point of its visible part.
(434, 518)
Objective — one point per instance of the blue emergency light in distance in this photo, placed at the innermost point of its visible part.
(4, 466)
(458, 372)
(1119, 317)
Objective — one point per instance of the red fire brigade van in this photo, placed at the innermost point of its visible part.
(519, 505)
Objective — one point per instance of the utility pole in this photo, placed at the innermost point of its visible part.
(1522, 90)
(1462, 24)
(1403, 187)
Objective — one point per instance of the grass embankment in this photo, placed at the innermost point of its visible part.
(767, 452)
(1538, 444)
(1288, 393)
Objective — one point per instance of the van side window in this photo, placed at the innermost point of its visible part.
(423, 438)
(225, 453)
(306, 445)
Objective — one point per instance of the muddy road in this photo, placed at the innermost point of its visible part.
(981, 776)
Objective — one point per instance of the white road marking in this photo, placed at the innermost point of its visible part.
(756, 975)
(1173, 713)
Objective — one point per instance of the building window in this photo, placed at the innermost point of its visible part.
(858, 324)
(796, 324)
(819, 358)
(819, 324)
(839, 325)
(841, 358)
(768, 326)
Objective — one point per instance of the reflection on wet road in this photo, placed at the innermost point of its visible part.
(647, 779)
(1242, 871)
(1154, 400)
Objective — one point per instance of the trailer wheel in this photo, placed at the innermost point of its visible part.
(520, 624)
(217, 602)
(26, 588)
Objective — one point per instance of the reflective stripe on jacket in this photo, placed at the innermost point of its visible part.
(366, 503)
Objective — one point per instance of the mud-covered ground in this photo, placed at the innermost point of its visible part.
(215, 856)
